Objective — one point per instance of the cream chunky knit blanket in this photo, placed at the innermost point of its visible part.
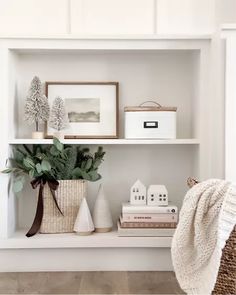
(207, 218)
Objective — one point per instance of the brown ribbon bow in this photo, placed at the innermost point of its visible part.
(53, 185)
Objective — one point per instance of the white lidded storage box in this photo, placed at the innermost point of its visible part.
(156, 122)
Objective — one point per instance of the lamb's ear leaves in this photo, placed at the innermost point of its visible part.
(37, 148)
(18, 156)
(97, 163)
(38, 168)
(83, 164)
(100, 153)
(29, 152)
(85, 150)
(54, 151)
(31, 173)
(45, 165)
(85, 175)
(88, 164)
(94, 176)
(18, 186)
(58, 144)
(28, 162)
(40, 156)
(76, 173)
(8, 170)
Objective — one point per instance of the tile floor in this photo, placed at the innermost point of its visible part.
(89, 283)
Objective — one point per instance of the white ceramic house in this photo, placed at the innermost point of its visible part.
(138, 194)
(157, 195)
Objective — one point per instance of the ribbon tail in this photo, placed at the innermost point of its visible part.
(55, 200)
(39, 214)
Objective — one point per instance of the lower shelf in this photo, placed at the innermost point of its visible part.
(71, 240)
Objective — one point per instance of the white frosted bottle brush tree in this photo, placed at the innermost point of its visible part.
(58, 117)
(36, 106)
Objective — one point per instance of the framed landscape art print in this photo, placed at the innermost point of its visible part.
(92, 108)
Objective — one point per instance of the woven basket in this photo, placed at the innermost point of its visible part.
(226, 280)
(69, 196)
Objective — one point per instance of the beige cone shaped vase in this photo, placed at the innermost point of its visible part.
(101, 214)
(84, 224)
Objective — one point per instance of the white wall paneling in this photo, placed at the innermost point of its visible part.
(185, 16)
(33, 17)
(4, 149)
(230, 103)
(225, 11)
(216, 86)
(112, 16)
(8, 213)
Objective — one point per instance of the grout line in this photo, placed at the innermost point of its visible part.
(155, 7)
(68, 16)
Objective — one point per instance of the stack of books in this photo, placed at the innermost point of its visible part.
(141, 220)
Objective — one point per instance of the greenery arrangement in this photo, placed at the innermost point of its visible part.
(55, 162)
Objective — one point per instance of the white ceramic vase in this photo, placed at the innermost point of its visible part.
(37, 135)
(101, 213)
(84, 224)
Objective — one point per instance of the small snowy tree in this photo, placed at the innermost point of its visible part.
(58, 116)
(36, 106)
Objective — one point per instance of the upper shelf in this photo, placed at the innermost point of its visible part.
(187, 141)
(116, 37)
(68, 44)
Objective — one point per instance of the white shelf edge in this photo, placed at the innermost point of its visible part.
(200, 36)
(228, 26)
(96, 240)
(187, 141)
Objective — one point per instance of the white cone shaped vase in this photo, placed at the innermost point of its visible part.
(101, 214)
(84, 223)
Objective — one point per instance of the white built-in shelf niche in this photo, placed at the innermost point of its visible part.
(173, 71)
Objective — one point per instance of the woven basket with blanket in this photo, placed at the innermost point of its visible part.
(204, 244)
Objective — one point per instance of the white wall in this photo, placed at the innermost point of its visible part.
(225, 11)
(59, 17)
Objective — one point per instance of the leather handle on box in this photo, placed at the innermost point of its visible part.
(150, 101)
(191, 182)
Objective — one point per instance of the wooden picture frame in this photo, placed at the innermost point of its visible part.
(105, 122)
